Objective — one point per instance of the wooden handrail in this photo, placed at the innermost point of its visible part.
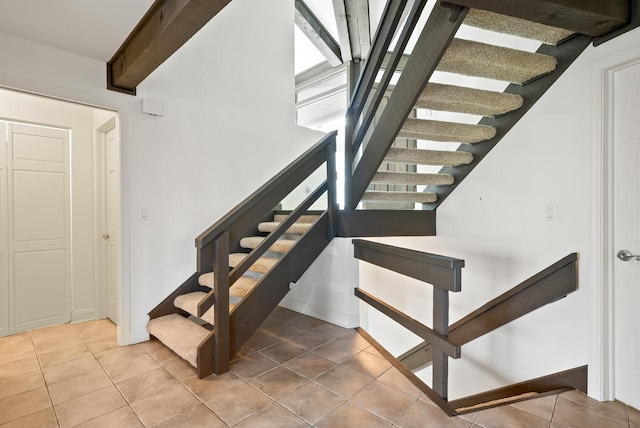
(274, 190)
(215, 244)
(444, 274)
(252, 210)
(547, 286)
(388, 23)
(416, 327)
(391, 63)
(440, 271)
(272, 237)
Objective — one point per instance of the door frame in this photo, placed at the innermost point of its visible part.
(100, 205)
(601, 355)
(122, 106)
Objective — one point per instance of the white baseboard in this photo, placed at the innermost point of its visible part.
(138, 335)
(83, 315)
(339, 318)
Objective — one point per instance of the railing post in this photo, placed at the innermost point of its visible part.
(221, 304)
(440, 325)
(332, 185)
(353, 73)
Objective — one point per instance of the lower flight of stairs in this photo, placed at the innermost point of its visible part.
(184, 331)
(474, 59)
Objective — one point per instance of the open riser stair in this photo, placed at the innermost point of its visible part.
(474, 119)
(183, 335)
(246, 263)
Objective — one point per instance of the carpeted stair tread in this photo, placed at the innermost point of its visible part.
(179, 334)
(515, 26)
(262, 265)
(189, 303)
(306, 218)
(459, 99)
(240, 288)
(428, 157)
(409, 178)
(419, 197)
(280, 246)
(296, 228)
(472, 58)
(436, 130)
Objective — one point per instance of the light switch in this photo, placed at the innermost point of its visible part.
(144, 213)
(550, 213)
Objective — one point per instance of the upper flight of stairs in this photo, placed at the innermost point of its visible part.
(478, 60)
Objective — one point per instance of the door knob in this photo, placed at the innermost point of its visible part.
(106, 236)
(625, 256)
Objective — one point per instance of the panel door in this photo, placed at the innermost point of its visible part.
(112, 158)
(39, 232)
(4, 232)
(627, 234)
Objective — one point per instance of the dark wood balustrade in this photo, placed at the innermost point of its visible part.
(444, 340)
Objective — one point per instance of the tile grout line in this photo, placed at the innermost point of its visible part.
(180, 382)
(109, 377)
(46, 385)
(553, 411)
(596, 409)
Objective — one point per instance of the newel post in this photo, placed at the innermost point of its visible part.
(332, 185)
(221, 304)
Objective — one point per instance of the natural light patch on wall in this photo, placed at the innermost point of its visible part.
(306, 54)
(323, 10)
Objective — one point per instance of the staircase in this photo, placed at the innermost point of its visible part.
(247, 260)
(442, 78)
(184, 335)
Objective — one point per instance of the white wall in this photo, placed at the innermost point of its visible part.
(79, 120)
(325, 290)
(228, 96)
(495, 221)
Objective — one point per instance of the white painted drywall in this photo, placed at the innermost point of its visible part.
(228, 127)
(325, 291)
(79, 120)
(495, 220)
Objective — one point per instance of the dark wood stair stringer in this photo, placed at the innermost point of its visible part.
(429, 49)
(531, 92)
(256, 307)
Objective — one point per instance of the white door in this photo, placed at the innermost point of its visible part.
(39, 227)
(4, 235)
(626, 133)
(112, 198)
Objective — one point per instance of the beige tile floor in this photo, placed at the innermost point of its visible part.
(295, 371)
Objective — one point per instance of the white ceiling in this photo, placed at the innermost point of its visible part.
(92, 28)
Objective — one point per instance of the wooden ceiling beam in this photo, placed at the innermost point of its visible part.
(340, 12)
(359, 28)
(166, 26)
(591, 17)
(317, 33)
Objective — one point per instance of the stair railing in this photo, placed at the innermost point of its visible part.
(445, 275)
(444, 340)
(416, 73)
(214, 244)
